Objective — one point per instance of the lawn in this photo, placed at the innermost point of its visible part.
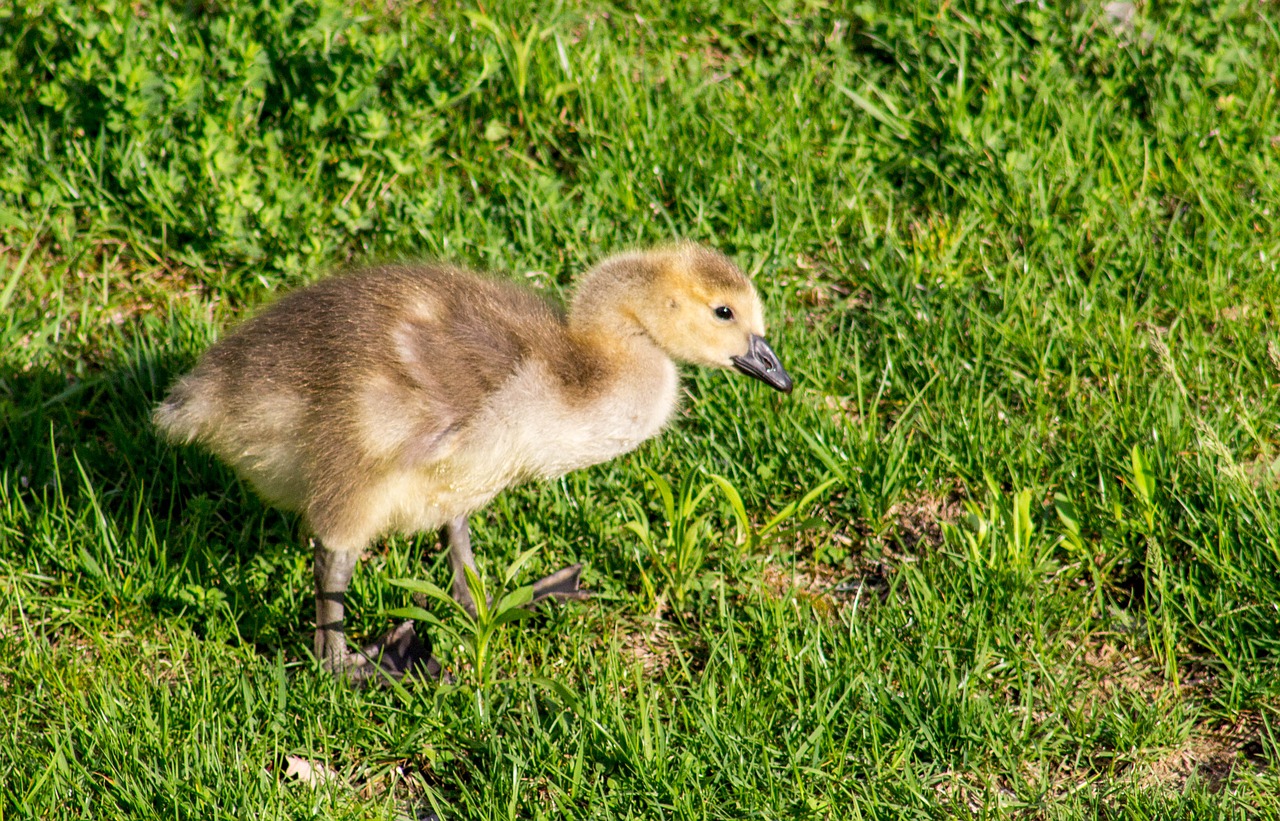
(1021, 260)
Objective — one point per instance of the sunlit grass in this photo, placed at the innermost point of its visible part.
(1020, 260)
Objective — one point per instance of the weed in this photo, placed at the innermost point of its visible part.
(677, 552)
(494, 610)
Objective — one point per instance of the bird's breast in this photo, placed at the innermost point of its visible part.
(529, 430)
(535, 430)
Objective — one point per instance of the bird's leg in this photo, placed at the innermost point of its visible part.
(333, 569)
(395, 654)
(561, 585)
(457, 536)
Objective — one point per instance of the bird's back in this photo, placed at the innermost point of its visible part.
(360, 372)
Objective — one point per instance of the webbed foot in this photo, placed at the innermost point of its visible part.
(398, 655)
(561, 585)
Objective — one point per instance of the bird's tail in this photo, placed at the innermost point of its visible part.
(179, 418)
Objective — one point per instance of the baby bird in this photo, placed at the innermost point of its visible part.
(403, 398)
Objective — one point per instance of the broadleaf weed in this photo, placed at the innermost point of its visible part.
(495, 608)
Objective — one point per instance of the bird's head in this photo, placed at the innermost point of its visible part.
(695, 305)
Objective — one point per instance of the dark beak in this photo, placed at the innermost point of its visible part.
(762, 363)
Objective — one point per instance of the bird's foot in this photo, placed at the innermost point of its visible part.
(398, 655)
(561, 585)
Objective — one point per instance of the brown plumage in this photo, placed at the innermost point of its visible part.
(402, 398)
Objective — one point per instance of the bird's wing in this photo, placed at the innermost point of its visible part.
(450, 367)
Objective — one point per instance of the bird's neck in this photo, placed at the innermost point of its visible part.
(621, 341)
(606, 326)
(607, 311)
(636, 393)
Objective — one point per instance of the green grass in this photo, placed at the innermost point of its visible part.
(1005, 248)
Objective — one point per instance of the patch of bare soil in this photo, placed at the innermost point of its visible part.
(652, 648)
(658, 646)
(1113, 671)
(968, 790)
(1211, 753)
(1210, 756)
(826, 588)
(842, 408)
(807, 579)
(917, 519)
(1263, 470)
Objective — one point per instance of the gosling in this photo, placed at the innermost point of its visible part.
(402, 398)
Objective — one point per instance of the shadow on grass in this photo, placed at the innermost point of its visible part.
(113, 514)
(107, 509)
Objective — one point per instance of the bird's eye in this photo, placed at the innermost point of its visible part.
(724, 312)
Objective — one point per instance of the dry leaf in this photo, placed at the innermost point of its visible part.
(311, 773)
